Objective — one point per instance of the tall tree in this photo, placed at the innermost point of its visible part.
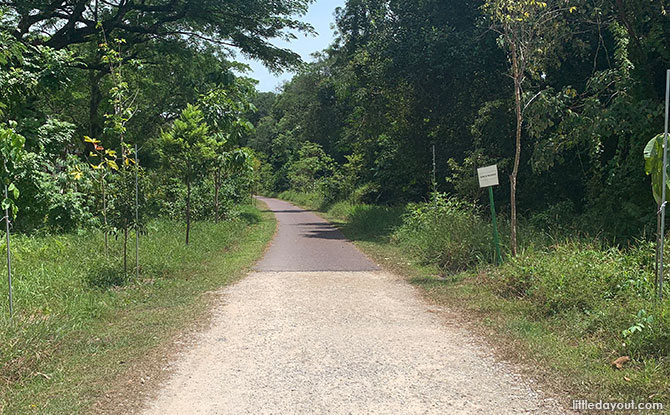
(525, 27)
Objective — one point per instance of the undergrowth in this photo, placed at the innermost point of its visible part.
(568, 302)
(77, 315)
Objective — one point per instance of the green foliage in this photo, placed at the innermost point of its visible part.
(575, 277)
(446, 232)
(186, 148)
(311, 165)
(404, 76)
(603, 290)
(653, 166)
(12, 152)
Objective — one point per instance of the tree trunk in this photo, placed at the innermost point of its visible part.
(518, 76)
(188, 210)
(94, 128)
(217, 185)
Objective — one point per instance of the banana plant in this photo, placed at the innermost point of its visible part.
(653, 166)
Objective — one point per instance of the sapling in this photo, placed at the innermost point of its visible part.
(12, 150)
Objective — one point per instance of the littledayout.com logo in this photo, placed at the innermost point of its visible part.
(585, 405)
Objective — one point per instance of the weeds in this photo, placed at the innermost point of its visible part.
(78, 315)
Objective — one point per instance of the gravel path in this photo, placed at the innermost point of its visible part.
(337, 342)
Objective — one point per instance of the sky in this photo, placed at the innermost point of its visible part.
(321, 16)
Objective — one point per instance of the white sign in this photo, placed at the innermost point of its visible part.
(488, 176)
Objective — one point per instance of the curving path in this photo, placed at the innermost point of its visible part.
(318, 329)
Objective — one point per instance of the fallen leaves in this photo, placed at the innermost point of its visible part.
(618, 363)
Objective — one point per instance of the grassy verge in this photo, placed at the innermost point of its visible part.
(83, 329)
(559, 310)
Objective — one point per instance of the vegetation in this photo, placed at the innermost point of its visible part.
(563, 96)
(401, 77)
(564, 308)
(82, 322)
(118, 121)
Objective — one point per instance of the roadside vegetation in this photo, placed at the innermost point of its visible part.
(565, 308)
(126, 183)
(83, 324)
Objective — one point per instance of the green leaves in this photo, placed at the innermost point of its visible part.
(653, 166)
(187, 148)
(12, 151)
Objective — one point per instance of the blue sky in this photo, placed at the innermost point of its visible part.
(321, 16)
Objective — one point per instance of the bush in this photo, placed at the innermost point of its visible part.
(446, 232)
(574, 276)
(605, 292)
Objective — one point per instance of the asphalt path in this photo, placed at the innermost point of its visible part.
(305, 242)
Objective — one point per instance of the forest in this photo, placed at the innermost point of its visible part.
(361, 121)
(128, 127)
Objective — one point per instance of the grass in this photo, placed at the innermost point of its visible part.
(83, 330)
(558, 310)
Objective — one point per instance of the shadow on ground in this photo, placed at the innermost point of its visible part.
(371, 223)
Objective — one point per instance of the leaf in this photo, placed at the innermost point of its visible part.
(618, 363)
(653, 165)
(15, 191)
(88, 139)
(649, 155)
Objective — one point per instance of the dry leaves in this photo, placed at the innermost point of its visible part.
(618, 363)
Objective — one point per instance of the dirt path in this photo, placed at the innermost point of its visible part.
(314, 339)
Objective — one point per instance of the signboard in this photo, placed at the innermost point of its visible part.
(488, 176)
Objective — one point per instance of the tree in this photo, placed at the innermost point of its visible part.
(312, 164)
(169, 25)
(239, 24)
(187, 150)
(11, 149)
(525, 27)
(224, 110)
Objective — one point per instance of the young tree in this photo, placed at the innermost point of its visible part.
(128, 209)
(224, 109)
(187, 150)
(103, 165)
(11, 149)
(526, 28)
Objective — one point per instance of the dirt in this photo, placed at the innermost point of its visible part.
(338, 342)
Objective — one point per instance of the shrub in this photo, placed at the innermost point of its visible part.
(446, 232)
(573, 276)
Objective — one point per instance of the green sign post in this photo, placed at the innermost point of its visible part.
(488, 177)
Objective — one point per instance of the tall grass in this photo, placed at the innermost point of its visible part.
(446, 232)
(75, 310)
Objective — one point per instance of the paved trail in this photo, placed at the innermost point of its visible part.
(318, 329)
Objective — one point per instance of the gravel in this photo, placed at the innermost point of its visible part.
(340, 343)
